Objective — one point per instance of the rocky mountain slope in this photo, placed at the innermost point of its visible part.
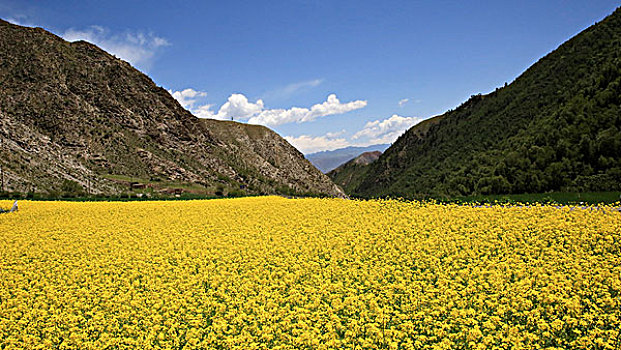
(329, 160)
(72, 113)
(349, 175)
(557, 127)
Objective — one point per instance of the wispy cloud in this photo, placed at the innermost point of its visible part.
(335, 134)
(292, 89)
(138, 48)
(405, 101)
(21, 21)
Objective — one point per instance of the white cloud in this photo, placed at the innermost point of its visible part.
(187, 97)
(137, 48)
(387, 130)
(239, 108)
(203, 111)
(403, 102)
(311, 144)
(331, 106)
(373, 133)
(291, 89)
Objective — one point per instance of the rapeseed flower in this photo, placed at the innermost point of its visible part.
(277, 273)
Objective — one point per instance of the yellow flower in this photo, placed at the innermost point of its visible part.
(277, 273)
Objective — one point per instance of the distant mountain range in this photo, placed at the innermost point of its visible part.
(328, 160)
(75, 118)
(557, 127)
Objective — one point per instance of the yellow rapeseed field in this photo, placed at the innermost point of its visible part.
(277, 273)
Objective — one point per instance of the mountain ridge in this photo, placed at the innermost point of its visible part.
(69, 111)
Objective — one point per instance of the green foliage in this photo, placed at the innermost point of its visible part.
(70, 188)
(349, 177)
(555, 128)
(573, 198)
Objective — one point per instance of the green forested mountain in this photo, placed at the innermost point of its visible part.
(556, 127)
(349, 174)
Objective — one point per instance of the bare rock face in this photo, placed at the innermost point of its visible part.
(72, 112)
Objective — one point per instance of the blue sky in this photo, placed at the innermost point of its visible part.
(324, 74)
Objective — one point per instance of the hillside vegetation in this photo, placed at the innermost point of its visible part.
(555, 128)
(350, 174)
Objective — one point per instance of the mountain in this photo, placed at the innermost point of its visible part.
(328, 160)
(349, 175)
(73, 117)
(557, 127)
